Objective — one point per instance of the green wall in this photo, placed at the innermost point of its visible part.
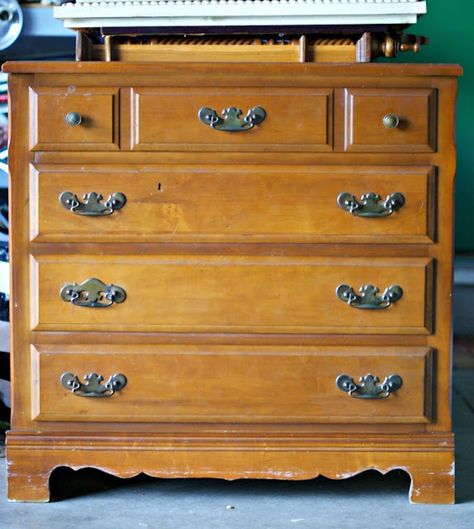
(449, 25)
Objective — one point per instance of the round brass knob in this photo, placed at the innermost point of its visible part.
(73, 119)
(391, 121)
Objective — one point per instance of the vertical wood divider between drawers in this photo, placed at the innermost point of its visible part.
(126, 119)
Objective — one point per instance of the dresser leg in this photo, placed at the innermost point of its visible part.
(435, 487)
(27, 484)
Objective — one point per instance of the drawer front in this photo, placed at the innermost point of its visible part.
(295, 119)
(230, 384)
(223, 204)
(75, 119)
(230, 294)
(390, 120)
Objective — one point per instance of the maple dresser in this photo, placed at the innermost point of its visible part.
(232, 271)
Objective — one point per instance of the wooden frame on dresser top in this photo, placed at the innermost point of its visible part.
(232, 335)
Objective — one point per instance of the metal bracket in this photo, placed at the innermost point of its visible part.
(231, 120)
(93, 386)
(91, 206)
(369, 387)
(370, 204)
(369, 297)
(93, 293)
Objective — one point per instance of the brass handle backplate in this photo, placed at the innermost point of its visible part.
(92, 385)
(369, 388)
(370, 204)
(73, 119)
(369, 297)
(232, 120)
(92, 206)
(93, 293)
(391, 121)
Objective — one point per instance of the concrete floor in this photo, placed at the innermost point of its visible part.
(93, 500)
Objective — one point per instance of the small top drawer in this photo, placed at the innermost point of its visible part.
(74, 119)
(390, 120)
(231, 119)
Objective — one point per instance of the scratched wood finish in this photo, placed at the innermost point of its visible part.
(289, 450)
(191, 204)
(428, 460)
(232, 294)
(225, 385)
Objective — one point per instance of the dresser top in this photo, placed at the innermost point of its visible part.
(234, 69)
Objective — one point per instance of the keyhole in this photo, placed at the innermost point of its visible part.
(159, 186)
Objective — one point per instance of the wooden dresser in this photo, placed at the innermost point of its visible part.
(264, 293)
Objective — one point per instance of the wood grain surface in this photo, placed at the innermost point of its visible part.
(232, 294)
(98, 129)
(231, 384)
(224, 204)
(230, 248)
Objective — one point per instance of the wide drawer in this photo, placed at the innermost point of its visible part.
(293, 119)
(225, 204)
(390, 120)
(234, 294)
(230, 384)
(74, 119)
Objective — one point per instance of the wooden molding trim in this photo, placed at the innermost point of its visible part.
(428, 460)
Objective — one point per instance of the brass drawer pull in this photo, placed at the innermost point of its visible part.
(391, 121)
(93, 293)
(369, 298)
(92, 387)
(369, 387)
(92, 207)
(73, 119)
(231, 120)
(370, 204)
